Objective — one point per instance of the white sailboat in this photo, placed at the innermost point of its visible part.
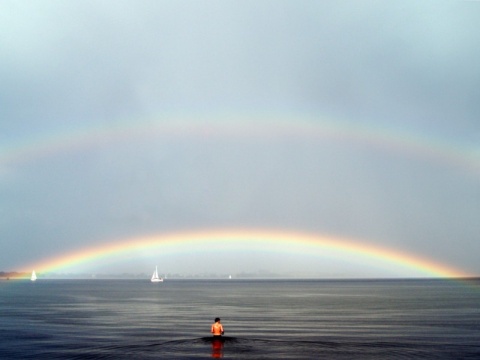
(34, 276)
(155, 277)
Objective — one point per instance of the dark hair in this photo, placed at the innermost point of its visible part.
(217, 319)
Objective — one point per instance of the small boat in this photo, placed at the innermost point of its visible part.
(155, 277)
(34, 276)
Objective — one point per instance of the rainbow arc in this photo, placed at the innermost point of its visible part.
(293, 243)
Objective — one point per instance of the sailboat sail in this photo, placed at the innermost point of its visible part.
(34, 276)
(155, 277)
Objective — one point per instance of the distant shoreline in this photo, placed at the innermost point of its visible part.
(13, 275)
(6, 275)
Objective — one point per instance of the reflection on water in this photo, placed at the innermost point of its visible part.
(217, 348)
(59, 319)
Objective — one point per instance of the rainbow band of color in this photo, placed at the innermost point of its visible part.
(251, 126)
(244, 240)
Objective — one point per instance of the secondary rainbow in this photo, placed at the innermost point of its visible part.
(263, 125)
(249, 240)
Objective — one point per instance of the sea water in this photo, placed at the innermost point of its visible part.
(263, 319)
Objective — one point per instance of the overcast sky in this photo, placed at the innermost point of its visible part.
(358, 119)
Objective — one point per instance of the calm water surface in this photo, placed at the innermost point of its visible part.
(263, 319)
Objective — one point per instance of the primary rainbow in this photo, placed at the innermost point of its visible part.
(249, 240)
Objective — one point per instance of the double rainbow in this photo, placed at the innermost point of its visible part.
(263, 127)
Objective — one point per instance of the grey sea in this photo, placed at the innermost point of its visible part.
(263, 319)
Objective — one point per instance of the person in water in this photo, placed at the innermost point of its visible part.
(217, 328)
